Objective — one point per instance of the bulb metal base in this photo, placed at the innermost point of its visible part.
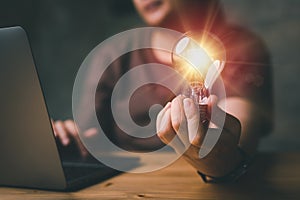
(199, 94)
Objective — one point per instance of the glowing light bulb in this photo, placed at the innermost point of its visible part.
(199, 58)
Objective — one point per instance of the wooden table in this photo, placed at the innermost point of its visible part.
(273, 176)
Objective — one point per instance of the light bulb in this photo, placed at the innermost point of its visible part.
(199, 58)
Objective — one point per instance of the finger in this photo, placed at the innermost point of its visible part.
(212, 102)
(90, 132)
(61, 132)
(164, 129)
(218, 116)
(167, 134)
(178, 119)
(177, 145)
(162, 112)
(72, 129)
(195, 129)
(53, 128)
(70, 126)
(161, 116)
(176, 112)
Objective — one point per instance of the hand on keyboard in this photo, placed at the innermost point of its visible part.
(67, 133)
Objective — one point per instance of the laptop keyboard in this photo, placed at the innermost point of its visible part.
(73, 173)
(80, 167)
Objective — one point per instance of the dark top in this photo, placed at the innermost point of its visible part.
(247, 74)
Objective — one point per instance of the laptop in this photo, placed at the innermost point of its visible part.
(29, 155)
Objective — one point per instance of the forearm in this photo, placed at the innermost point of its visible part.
(251, 119)
(223, 159)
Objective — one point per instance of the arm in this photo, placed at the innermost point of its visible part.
(248, 103)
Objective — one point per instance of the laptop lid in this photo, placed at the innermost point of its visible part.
(28, 152)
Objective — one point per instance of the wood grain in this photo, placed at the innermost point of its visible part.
(272, 176)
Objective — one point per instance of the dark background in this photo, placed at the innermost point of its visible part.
(63, 32)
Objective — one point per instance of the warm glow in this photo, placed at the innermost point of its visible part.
(194, 55)
(199, 58)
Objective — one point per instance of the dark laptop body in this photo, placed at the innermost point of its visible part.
(29, 155)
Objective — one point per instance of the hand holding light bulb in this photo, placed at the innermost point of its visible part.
(178, 124)
(199, 68)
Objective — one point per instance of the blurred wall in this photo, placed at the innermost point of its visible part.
(62, 33)
(278, 23)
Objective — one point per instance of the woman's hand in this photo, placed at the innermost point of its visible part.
(66, 131)
(178, 125)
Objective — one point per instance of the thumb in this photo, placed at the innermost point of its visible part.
(212, 103)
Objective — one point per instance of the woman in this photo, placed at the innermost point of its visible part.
(247, 80)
